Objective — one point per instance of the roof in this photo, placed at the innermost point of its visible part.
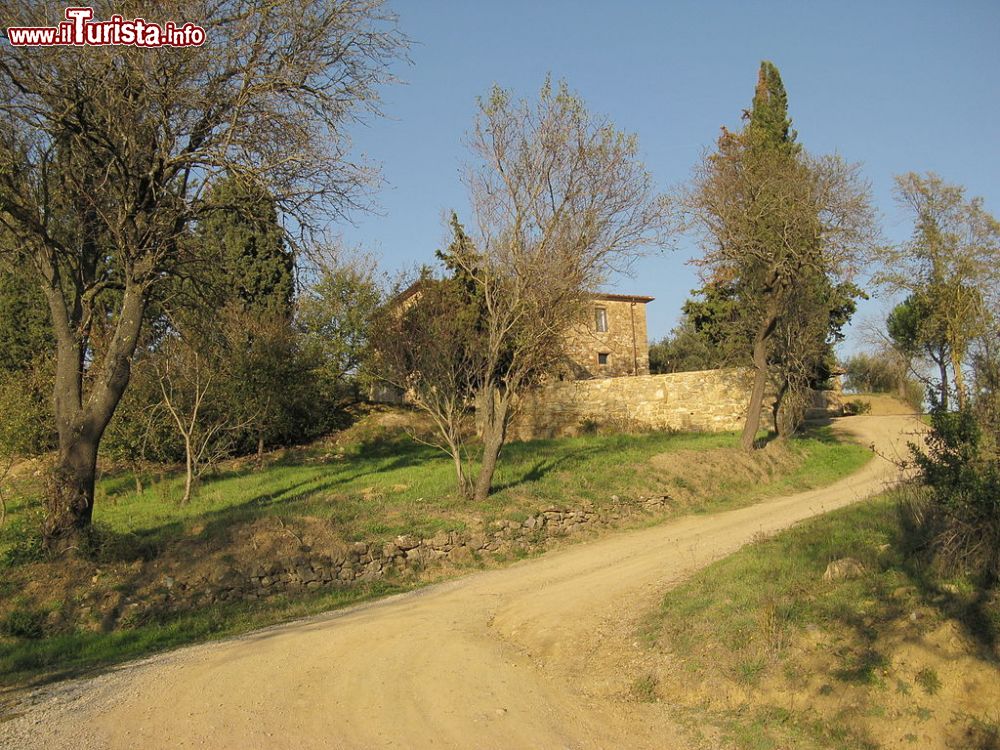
(622, 297)
(415, 287)
(408, 292)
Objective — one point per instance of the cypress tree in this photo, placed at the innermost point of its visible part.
(243, 232)
(769, 124)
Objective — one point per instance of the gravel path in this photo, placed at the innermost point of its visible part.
(537, 655)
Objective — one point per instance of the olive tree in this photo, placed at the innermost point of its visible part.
(105, 153)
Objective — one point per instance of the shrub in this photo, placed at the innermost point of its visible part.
(857, 406)
(24, 623)
(882, 372)
(961, 468)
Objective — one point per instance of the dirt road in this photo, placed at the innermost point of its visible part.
(537, 655)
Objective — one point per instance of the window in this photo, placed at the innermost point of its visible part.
(602, 358)
(601, 320)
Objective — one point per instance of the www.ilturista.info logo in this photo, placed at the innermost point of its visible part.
(79, 30)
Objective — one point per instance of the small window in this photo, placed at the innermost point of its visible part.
(602, 358)
(601, 320)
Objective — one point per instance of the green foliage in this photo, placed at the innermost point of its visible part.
(928, 679)
(429, 342)
(27, 545)
(917, 331)
(333, 317)
(781, 230)
(882, 372)
(264, 381)
(683, 350)
(961, 467)
(142, 430)
(802, 353)
(241, 231)
(769, 124)
(870, 373)
(24, 623)
(913, 327)
(949, 271)
(26, 422)
(857, 406)
(26, 343)
(708, 336)
(25, 330)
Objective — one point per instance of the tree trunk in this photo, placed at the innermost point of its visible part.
(752, 424)
(943, 369)
(260, 449)
(81, 420)
(776, 407)
(70, 498)
(189, 470)
(956, 366)
(460, 479)
(496, 411)
(137, 478)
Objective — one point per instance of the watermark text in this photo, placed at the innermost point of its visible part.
(79, 29)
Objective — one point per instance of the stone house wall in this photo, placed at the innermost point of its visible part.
(624, 344)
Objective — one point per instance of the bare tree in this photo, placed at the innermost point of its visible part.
(559, 200)
(187, 380)
(105, 152)
(426, 344)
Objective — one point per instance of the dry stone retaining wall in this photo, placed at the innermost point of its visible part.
(706, 401)
(403, 557)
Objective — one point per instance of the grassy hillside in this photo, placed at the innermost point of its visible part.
(776, 653)
(370, 483)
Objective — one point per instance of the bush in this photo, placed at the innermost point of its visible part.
(882, 372)
(24, 623)
(961, 468)
(857, 406)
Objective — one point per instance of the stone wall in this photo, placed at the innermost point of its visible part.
(707, 401)
(403, 558)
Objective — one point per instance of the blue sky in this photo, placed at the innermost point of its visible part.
(897, 86)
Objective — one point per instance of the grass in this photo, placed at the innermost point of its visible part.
(928, 679)
(373, 488)
(779, 579)
(376, 489)
(749, 620)
(644, 688)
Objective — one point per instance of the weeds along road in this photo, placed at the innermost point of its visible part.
(541, 654)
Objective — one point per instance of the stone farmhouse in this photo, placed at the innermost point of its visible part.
(611, 341)
(606, 382)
